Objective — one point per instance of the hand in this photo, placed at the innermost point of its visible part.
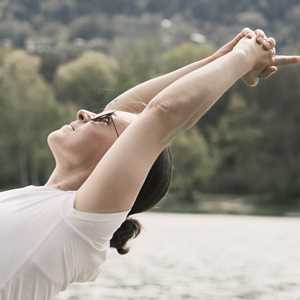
(230, 45)
(252, 78)
(257, 55)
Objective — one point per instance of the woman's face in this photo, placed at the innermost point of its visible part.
(85, 144)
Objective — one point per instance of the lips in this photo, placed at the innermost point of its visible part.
(72, 127)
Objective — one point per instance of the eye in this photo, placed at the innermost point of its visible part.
(106, 120)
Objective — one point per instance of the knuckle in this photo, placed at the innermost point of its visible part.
(246, 30)
(260, 32)
(272, 40)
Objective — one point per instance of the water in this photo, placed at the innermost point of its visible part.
(207, 257)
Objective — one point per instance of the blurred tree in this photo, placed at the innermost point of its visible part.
(194, 165)
(28, 111)
(237, 138)
(187, 53)
(278, 112)
(15, 31)
(91, 26)
(138, 61)
(252, 132)
(63, 11)
(184, 54)
(89, 81)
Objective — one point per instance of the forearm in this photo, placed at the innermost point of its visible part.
(185, 101)
(140, 95)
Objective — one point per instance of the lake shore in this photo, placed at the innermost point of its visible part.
(252, 205)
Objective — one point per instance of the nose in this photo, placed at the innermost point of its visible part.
(83, 115)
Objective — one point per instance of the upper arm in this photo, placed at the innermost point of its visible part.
(118, 177)
(128, 101)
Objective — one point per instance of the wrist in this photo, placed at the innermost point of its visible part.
(214, 56)
(246, 60)
(208, 59)
(217, 55)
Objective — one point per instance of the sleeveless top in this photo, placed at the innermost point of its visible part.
(47, 244)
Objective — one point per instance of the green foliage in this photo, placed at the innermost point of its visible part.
(138, 62)
(87, 81)
(28, 111)
(194, 165)
(85, 53)
(184, 54)
(88, 27)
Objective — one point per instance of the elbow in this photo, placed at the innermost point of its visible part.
(168, 109)
(174, 112)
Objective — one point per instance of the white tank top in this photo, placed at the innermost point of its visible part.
(46, 244)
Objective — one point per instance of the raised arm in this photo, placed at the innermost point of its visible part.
(189, 98)
(137, 98)
(117, 179)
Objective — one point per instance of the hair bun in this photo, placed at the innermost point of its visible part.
(129, 229)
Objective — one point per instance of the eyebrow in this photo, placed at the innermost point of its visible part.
(114, 116)
(107, 112)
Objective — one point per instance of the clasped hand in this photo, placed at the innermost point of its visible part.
(260, 51)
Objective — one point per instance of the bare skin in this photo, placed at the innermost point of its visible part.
(76, 152)
(137, 98)
(109, 181)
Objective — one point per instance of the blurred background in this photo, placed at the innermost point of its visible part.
(242, 158)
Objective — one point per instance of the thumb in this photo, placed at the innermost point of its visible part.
(268, 72)
(286, 60)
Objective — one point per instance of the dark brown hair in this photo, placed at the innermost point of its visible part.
(153, 190)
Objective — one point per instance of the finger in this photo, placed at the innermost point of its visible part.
(251, 35)
(238, 37)
(252, 81)
(259, 40)
(260, 33)
(285, 60)
(268, 71)
(271, 74)
(245, 31)
(272, 41)
(267, 45)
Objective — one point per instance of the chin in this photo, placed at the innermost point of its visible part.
(55, 140)
(52, 136)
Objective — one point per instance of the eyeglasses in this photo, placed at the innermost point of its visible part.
(106, 117)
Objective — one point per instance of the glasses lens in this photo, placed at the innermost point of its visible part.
(106, 117)
(103, 114)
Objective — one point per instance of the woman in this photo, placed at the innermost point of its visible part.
(60, 233)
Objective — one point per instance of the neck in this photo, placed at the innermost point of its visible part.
(66, 179)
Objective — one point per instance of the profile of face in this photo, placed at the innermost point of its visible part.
(83, 142)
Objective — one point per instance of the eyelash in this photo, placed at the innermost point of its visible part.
(106, 120)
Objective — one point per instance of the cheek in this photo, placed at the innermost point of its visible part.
(86, 143)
